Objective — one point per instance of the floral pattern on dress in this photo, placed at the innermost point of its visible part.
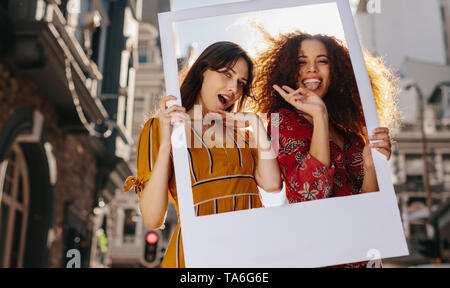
(292, 145)
(308, 192)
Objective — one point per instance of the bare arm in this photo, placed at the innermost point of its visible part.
(320, 144)
(370, 183)
(154, 199)
(310, 103)
(267, 172)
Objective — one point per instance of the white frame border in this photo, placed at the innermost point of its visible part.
(356, 225)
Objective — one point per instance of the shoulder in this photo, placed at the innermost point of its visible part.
(149, 129)
(151, 124)
(151, 121)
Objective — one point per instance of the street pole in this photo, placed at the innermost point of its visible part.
(424, 145)
(424, 148)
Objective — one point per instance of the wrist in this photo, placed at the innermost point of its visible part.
(368, 168)
(320, 120)
(165, 147)
(320, 113)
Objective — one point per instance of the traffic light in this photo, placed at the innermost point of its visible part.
(151, 253)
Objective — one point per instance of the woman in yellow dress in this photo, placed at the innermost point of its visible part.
(227, 165)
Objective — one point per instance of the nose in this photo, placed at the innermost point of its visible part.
(312, 67)
(233, 87)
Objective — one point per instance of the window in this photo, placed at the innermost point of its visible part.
(415, 169)
(414, 183)
(14, 209)
(63, 7)
(95, 46)
(142, 54)
(414, 165)
(446, 164)
(138, 113)
(418, 230)
(4, 4)
(446, 172)
(129, 226)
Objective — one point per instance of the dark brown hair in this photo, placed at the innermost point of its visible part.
(279, 65)
(217, 56)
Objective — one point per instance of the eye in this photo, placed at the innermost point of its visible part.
(227, 74)
(301, 62)
(323, 61)
(241, 84)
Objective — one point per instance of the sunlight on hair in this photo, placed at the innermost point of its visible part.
(308, 18)
(385, 90)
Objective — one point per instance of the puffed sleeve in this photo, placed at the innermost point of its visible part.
(146, 154)
(305, 177)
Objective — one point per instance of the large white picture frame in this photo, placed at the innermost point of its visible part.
(327, 232)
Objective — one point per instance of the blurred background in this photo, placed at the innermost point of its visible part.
(78, 78)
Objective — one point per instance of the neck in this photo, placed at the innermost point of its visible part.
(198, 111)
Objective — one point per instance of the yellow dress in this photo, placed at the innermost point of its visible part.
(222, 179)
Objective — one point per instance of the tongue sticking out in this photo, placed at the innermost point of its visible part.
(312, 85)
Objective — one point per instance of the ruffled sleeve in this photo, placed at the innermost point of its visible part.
(146, 154)
(305, 177)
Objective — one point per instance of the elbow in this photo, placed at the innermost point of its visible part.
(274, 187)
(152, 224)
(150, 218)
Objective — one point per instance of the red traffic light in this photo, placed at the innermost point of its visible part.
(151, 238)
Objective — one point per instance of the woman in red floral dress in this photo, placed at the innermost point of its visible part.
(324, 147)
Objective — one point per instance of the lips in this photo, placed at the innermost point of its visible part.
(312, 83)
(224, 99)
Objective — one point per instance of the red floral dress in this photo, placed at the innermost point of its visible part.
(305, 177)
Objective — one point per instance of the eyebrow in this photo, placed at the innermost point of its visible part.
(321, 55)
(245, 79)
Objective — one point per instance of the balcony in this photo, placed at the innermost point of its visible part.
(45, 49)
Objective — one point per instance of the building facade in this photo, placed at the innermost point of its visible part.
(66, 85)
(128, 246)
(420, 161)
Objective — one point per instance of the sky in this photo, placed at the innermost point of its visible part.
(319, 18)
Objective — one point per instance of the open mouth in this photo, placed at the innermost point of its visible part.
(312, 83)
(224, 99)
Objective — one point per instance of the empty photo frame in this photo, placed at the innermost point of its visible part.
(309, 234)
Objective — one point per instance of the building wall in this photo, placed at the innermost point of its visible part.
(404, 29)
(411, 37)
(76, 166)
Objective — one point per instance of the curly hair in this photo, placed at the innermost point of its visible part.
(278, 65)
